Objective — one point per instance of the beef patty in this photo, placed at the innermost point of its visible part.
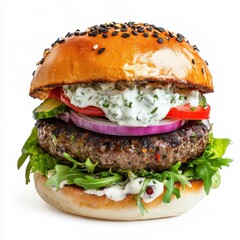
(155, 152)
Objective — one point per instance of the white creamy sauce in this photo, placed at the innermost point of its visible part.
(118, 192)
(131, 105)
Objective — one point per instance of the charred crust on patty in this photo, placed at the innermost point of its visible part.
(115, 152)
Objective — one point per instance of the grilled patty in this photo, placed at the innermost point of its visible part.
(155, 152)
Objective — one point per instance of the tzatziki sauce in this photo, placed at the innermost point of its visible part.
(133, 105)
(134, 186)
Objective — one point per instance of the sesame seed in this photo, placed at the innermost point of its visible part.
(195, 48)
(76, 33)
(95, 46)
(145, 35)
(170, 34)
(93, 34)
(155, 35)
(104, 35)
(160, 29)
(33, 73)
(125, 35)
(101, 50)
(46, 52)
(193, 61)
(206, 62)
(61, 40)
(180, 35)
(168, 38)
(115, 33)
(145, 24)
(160, 40)
(149, 29)
(130, 24)
(40, 62)
(123, 29)
(179, 39)
(141, 29)
(135, 33)
(67, 35)
(54, 43)
(202, 71)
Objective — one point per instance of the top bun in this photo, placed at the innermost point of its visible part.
(121, 52)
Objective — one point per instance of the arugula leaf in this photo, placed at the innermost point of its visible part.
(62, 174)
(173, 175)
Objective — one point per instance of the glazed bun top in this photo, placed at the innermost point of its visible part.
(121, 52)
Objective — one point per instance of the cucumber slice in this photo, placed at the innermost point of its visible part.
(51, 107)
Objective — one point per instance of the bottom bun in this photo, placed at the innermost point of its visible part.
(74, 200)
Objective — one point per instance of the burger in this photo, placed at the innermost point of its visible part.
(123, 130)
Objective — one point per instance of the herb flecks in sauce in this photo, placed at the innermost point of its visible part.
(131, 105)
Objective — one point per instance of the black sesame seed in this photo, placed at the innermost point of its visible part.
(135, 33)
(195, 48)
(125, 35)
(93, 34)
(141, 29)
(83, 33)
(104, 35)
(180, 35)
(33, 73)
(115, 33)
(130, 24)
(105, 30)
(170, 34)
(179, 39)
(160, 29)
(206, 62)
(123, 29)
(77, 32)
(202, 71)
(193, 61)
(160, 40)
(149, 29)
(41, 61)
(155, 35)
(54, 43)
(145, 24)
(145, 35)
(101, 50)
(67, 35)
(61, 40)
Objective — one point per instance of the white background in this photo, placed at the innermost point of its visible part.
(28, 27)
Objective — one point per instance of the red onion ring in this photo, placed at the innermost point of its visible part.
(104, 126)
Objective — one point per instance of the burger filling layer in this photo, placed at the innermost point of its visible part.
(131, 105)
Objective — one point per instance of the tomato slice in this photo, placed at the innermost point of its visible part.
(90, 110)
(189, 113)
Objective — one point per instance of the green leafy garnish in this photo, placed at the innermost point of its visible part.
(89, 176)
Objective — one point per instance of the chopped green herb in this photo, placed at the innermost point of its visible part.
(154, 110)
(181, 97)
(105, 104)
(193, 108)
(172, 99)
(128, 104)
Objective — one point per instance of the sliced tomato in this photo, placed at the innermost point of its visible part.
(189, 113)
(90, 110)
